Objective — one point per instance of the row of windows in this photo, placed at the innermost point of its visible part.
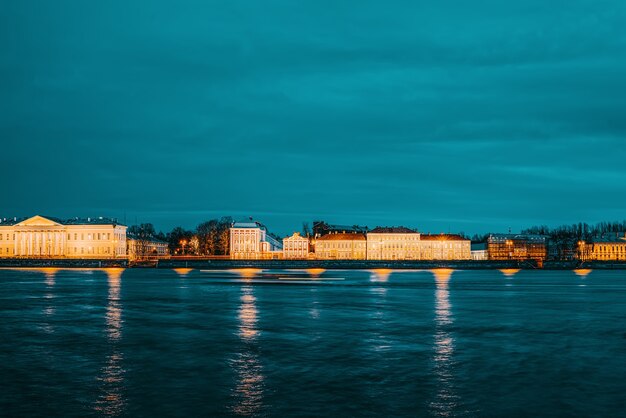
(103, 236)
(340, 245)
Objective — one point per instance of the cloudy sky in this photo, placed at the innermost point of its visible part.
(445, 116)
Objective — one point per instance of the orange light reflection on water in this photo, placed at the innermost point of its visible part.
(247, 273)
(446, 399)
(509, 272)
(582, 272)
(315, 272)
(111, 401)
(380, 275)
(248, 393)
(182, 272)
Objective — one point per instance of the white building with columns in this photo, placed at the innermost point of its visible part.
(46, 237)
(295, 247)
(250, 240)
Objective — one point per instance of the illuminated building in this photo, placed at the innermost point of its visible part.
(516, 247)
(295, 247)
(341, 246)
(445, 247)
(139, 248)
(607, 247)
(393, 243)
(46, 237)
(479, 251)
(250, 240)
(321, 228)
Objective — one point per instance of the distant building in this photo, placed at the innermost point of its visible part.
(295, 247)
(445, 247)
(393, 243)
(516, 247)
(250, 240)
(321, 228)
(341, 246)
(142, 248)
(479, 251)
(47, 237)
(610, 246)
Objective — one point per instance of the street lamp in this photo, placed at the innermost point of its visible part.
(183, 243)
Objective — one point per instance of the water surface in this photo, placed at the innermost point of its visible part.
(115, 342)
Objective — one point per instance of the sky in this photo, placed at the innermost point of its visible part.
(444, 116)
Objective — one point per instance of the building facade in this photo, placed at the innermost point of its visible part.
(341, 246)
(145, 248)
(479, 251)
(607, 247)
(46, 237)
(295, 247)
(516, 247)
(393, 243)
(249, 240)
(445, 247)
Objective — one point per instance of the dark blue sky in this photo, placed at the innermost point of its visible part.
(447, 115)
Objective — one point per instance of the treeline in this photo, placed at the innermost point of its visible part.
(208, 238)
(579, 231)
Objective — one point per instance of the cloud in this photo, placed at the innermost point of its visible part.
(437, 115)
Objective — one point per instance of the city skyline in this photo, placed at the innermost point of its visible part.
(443, 117)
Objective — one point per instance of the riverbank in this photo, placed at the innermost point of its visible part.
(225, 264)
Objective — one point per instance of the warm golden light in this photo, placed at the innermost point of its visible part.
(114, 274)
(50, 273)
(183, 272)
(582, 272)
(247, 273)
(509, 272)
(111, 401)
(114, 310)
(315, 272)
(445, 400)
(249, 390)
(248, 316)
(380, 275)
(442, 275)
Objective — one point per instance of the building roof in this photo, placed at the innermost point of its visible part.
(73, 221)
(516, 237)
(481, 246)
(343, 237)
(88, 221)
(11, 221)
(296, 235)
(393, 230)
(611, 237)
(443, 237)
(149, 239)
(248, 223)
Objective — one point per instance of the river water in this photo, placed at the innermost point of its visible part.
(136, 342)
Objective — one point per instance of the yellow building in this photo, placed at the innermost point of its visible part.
(349, 246)
(394, 243)
(608, 247)
(445, 247)
(295, 247)
(45, 237)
